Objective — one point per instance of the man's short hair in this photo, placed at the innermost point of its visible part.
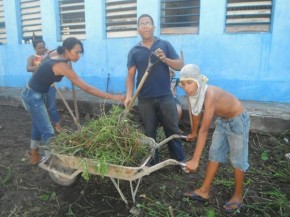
(145, 15)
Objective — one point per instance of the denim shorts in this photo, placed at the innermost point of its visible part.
(231, 136)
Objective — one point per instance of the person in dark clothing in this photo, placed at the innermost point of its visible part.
(155, 100)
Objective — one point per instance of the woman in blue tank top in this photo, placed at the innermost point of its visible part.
(33, 63)
(50, 71)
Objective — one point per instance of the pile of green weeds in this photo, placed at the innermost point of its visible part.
(110, 138)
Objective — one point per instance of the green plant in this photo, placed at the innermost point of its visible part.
(7, 176)
(70, 211)
(49, 196)
(265, 155)
(211, 213)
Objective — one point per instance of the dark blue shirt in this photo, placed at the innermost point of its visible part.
(158, 82)
(44, 76)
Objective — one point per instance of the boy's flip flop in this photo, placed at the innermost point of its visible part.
(193, 196)
(232, 207)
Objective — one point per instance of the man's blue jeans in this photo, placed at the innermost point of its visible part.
(42, 130)
(162, 110)
(50, 97)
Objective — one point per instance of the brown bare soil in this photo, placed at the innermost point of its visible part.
(27, 190)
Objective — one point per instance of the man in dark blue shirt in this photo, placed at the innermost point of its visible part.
(155, 100)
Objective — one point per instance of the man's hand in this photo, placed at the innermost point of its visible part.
(127, 101)
(192, 165)
(161, 55)
(191, 137)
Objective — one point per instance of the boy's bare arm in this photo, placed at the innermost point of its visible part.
(208, 115)
(195, 125)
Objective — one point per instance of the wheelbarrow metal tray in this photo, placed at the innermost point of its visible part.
(114, 171)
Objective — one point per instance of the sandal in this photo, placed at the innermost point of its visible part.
(232, 207)
(193, 196)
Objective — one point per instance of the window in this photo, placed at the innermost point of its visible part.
(179, 16)
(30, 19)
(2, 24)
(248, 15)
(72, 19)
(121, 18)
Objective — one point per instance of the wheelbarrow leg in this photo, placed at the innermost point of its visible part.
(134, 192)
(119, 190)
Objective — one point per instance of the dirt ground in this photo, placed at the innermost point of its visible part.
(27, 190)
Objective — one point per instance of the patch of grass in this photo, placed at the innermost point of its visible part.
(153, 208)
(271, 202)
(262, 196)
(6, 175)
(276, 198)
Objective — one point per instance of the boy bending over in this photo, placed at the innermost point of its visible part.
(231, 134)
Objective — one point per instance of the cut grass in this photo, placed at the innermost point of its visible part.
(108, 139)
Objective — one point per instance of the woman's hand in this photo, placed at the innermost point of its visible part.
(118, 98)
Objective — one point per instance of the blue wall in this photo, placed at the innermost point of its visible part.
(252, 66)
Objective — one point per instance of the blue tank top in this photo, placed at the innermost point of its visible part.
(44, 77)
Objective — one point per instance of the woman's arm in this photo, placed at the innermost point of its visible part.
(29, 66)
(67, 71)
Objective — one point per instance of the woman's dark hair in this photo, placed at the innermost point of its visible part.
(69, 44)
(36, 41)
(145, 15)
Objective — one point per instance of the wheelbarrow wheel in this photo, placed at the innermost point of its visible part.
(58, 179)
(62, 181)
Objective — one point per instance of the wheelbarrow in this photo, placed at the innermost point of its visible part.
(64, 170)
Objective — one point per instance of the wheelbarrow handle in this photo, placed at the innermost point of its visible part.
(174, 136)
(182, 164)
(147, 170)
